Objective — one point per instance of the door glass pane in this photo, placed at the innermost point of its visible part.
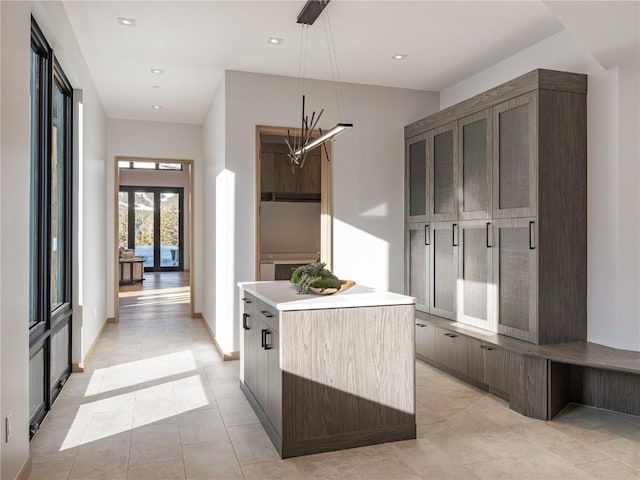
(169, 229)
(417, 266)
(474, 166)
(35, 92)
(144, 226)
(58, 203)
(123, 219)
(418, 178)
(59, 353)
(514, 158)
(443, 172)
(124, 164)
(445, 270)
(514, 278)
(36, 382)
(475, 272)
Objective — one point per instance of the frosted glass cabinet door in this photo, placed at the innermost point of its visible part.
(442, 154)
(443, 269)
(515, 152)
(417, 265)
(515, 276)
(416, 178)
(474, 166)
(475, 274)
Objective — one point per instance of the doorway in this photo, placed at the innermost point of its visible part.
(293, 219)
(153, 238)
(151, 223)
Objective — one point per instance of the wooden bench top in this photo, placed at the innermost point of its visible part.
(575, 353)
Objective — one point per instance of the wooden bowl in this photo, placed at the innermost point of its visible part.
(346, 285)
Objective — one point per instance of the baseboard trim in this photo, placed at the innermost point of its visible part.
(25, 471)
(197, 315)
(226, 356)
(111, 320)
(79, 367)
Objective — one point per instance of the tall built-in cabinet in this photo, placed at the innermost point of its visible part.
(496, 209)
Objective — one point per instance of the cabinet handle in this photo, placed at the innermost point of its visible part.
(266, 314)
(489, 241)
(420, 325)
(486, 347)
(245, 316)
(246, 300)
(426, 234)
(267, 346)
(263, 332)
(454, 234)
(450, 335)
(532, 235)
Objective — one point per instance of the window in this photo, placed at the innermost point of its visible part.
(150, 165)
(50, 229)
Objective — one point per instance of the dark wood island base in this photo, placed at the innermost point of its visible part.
(324, 379)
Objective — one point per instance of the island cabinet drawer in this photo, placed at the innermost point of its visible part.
(451, 350)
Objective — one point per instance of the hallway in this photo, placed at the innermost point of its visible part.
(156, 402)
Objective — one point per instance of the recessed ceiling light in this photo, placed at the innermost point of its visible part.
(126, 22)
(275, 41)
(158, 71)
(399, 56)
(156, 107)
(155, 86)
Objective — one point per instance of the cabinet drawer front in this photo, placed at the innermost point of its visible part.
(425, 340)
(451, 350)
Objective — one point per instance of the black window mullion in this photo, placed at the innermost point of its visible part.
(131, 234)
(156, 230)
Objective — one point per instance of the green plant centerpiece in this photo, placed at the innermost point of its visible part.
(314, 275)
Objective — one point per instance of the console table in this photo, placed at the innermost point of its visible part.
(131, 270)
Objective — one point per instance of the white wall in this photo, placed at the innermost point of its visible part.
(89, 311)
(164, 178)
(172, 141)
(367, 175)
(213, 148)
(14, 234)
(289, 227)
(613, 182)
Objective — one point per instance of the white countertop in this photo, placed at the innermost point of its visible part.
(282, 295)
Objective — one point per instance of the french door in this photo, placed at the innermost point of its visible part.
(152, 224)
(50, 230)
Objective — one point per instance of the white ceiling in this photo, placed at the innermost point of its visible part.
(194, 42)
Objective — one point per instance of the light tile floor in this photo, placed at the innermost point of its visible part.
(156, 402)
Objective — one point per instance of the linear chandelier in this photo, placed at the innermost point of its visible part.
(300, 145)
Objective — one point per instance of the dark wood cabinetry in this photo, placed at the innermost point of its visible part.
(279, 180)
(262, 374)
(515, 157)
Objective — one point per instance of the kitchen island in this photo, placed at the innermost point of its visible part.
(328, 372)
